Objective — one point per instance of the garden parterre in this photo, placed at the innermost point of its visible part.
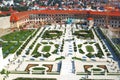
(82, 52)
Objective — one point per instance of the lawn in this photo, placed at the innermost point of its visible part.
(89, 48)
(46, 48)
(17, 35)
(10, 47)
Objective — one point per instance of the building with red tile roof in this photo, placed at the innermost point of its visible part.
(111, 19)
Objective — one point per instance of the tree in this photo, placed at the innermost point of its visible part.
(4, 8)
(21, 8)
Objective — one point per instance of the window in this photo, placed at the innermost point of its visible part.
(102, 20)
(112, 22)
(112, 25)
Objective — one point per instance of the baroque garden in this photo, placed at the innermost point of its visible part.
(57, 52)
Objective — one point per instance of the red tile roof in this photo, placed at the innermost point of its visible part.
(21, 15)
(89, 18)
(7, 12)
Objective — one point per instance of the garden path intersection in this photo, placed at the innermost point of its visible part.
(73, 54)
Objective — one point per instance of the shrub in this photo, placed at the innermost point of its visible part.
(51, 43)
(104, 47)
(38, 68)
(61, 50)
(80, 45)
(81, 51)
(108, 54)
(88, 34)
(99, 55)
(62, 57)
(55, 51)
(76, 58)
(37, 55)
(48, 34)
(106, 50)
(44, 42)
(47, 55)
(90, 55)
(27, 52)
(85, 43)
(91, 42)
(56, 45)
(3, 71)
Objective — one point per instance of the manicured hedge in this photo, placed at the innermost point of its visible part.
(52, 34)
(80, 34)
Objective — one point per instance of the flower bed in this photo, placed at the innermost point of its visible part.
(29, 66)
(49, 66)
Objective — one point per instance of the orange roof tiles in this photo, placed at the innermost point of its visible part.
(7, 12)
(13, 17)
(21, 15)
(89, 18)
